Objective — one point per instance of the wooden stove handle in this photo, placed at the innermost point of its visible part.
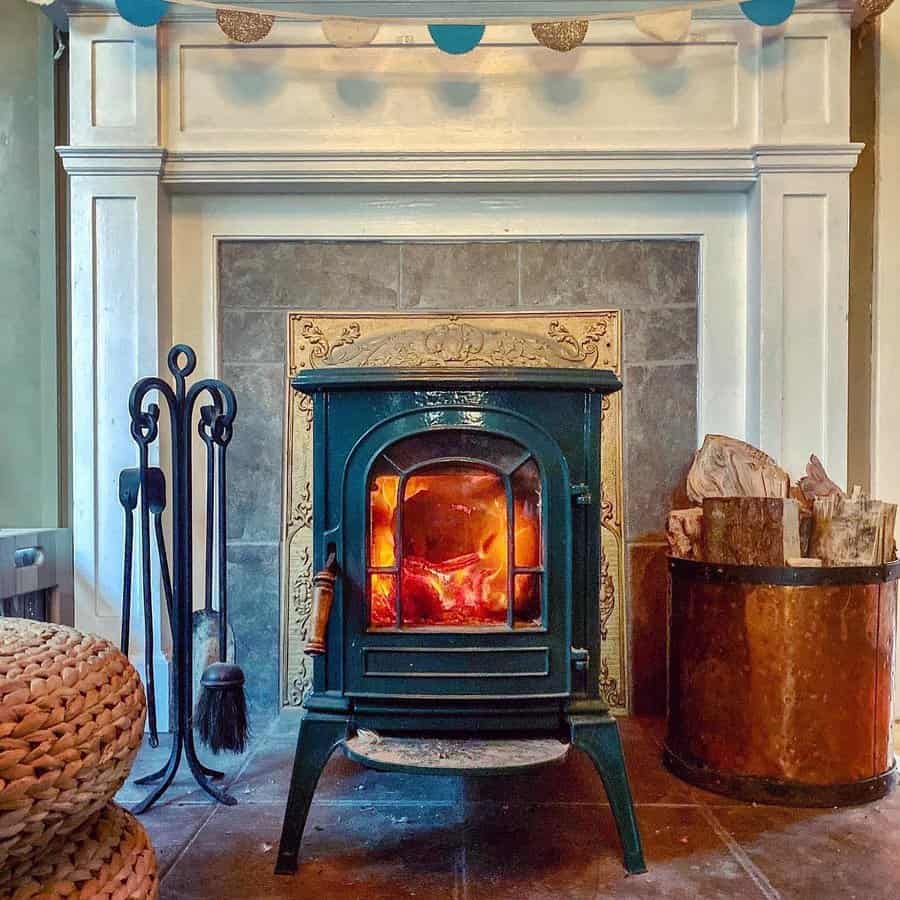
(322, 599)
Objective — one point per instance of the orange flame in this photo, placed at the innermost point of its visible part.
(455, 566)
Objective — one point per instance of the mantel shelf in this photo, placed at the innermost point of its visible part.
(691, 169)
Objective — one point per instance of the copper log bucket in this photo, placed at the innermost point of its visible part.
(780, 681)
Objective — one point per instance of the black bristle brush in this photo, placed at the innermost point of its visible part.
(221, 714)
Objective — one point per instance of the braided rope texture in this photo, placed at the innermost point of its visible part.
(109, 858)
(71, 721)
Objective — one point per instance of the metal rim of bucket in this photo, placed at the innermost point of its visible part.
(814, 576)
(755, 789)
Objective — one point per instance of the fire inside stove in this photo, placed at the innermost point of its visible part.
(455, 545)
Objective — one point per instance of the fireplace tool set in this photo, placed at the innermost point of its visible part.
(221, 716)
(454, 623)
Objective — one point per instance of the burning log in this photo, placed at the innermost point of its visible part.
(455, 543)
(457, 591)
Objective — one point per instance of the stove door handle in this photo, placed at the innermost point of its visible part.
(581, 659)
(581, 494)
(322, 599)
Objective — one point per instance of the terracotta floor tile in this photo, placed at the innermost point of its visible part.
(574, 852)
(650, 730)
(171, 826)
(576, 780)
(653, 729)
(183, 789)
(547, 835)
(357, 852)
(573, 781)
(831, 853)
(346, 781)
(268, 774)
(650, 782)
(286, 727)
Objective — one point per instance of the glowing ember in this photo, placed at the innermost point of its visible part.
(455, 564)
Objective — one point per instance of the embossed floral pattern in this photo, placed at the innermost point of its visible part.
(571, 340)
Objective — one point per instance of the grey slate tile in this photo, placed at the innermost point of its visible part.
(327, 275)
(253, 606)
(655, 335)
(660, 429)
(608, 274)
(472, 276)
(253, 335)
(260, 280)
(256, 452)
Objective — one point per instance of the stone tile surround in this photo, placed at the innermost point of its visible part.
(654, 282)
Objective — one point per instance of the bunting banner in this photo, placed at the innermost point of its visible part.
(349, 32)
(669, 27)
(244, 27)
(456, 39)
(560, 36)
(669, 24)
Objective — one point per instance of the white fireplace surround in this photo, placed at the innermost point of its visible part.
(737, 138)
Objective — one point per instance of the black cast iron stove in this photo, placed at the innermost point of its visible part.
(457, 538)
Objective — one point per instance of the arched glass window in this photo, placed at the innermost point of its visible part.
(455, 534)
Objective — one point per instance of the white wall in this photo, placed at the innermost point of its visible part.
(886, 302)
(886, 306)
(29, 482)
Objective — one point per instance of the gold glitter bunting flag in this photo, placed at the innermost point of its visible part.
(244, 27)
(869, 10)
(561, 36)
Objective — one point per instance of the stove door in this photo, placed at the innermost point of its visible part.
(457, 546)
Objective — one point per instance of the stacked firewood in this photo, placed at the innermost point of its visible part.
(748, 512)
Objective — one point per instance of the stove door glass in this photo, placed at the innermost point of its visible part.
(455, 532)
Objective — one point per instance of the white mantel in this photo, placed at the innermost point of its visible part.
(737, 138)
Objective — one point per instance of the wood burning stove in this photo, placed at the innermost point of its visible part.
(456, 533)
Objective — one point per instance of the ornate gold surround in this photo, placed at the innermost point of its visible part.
(569, 340)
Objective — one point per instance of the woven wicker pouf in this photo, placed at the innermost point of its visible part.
(71, 721)
(110, 856)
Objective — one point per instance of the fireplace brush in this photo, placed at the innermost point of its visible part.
(221, 709)
(221, 718)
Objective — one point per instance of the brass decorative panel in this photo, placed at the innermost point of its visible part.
(569, 340)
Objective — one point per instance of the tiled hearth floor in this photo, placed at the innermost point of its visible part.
(549, 835)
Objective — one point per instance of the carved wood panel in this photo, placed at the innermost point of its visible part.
(573, 339)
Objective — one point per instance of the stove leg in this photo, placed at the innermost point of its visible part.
(598, 736)
(319, 736)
